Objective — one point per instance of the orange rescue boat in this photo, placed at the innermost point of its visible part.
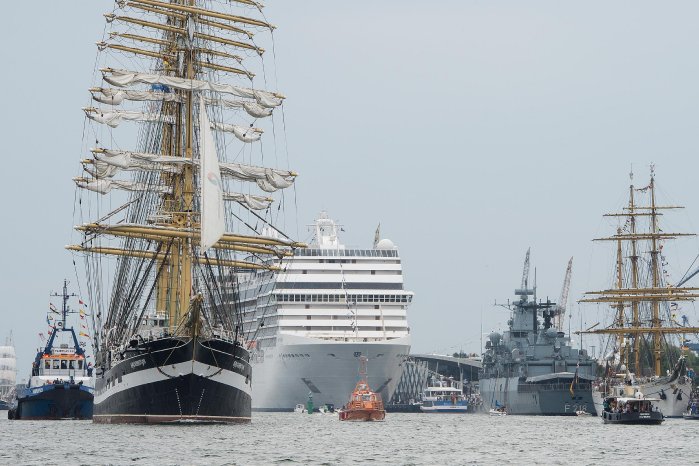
(364, 405)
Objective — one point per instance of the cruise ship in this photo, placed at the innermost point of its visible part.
(308, 324)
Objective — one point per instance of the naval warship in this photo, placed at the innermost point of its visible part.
(532, 368)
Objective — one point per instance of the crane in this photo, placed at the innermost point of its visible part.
(525, 271)
(563, 300)
(524, 290)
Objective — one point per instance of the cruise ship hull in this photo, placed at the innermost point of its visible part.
(548, 399)
(176, 380)
(54, 401)
(283, 376)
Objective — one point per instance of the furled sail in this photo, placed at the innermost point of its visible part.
(111, 96)
(117, 96)
(114, 117)
(111, 161)
(212, 220)
(103, 186)
(245, 134)
(252, 108)
(252, 201)
(123, 78)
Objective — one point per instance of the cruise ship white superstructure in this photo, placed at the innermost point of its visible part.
(308, 324)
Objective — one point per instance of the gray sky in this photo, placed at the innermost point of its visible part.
(470, 129)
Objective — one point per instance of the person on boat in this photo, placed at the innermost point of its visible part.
(606, 406)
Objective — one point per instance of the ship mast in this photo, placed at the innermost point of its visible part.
(635, 294)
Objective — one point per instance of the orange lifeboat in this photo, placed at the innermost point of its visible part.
(364, 405)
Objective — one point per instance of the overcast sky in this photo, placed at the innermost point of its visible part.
(470, 129)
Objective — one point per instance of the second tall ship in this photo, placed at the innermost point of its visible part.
(644, 337)
(309, 324)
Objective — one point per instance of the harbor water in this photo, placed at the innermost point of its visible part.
(410, 439)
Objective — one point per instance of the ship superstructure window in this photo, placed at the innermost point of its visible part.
(64, 364)
(56, 364)
(71, 364)
(47, 364)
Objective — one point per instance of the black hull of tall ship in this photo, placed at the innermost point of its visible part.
(176, 379)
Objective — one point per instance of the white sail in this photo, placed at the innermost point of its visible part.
(245, 134)
(104, 186)
(8, 366)
(252, 201)
(103, 169)
(108, 163)
(117, 96)
(123, 78)
(212, 220)
(114, 117)
(252, 108)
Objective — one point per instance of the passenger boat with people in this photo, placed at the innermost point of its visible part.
(364, 404)
(443, 396)
(636, 410)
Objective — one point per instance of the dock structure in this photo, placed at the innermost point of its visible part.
(417, 368)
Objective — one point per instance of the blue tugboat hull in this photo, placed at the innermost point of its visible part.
(56, 401)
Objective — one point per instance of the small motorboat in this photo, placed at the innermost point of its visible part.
(501, 411)
(636, 410)
(582, 412)
(364, 404)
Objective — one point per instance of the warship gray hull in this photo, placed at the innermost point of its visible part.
(532, 367)
(550, 398)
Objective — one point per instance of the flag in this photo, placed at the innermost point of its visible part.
(82, 303)
(41, 335)
(83, 334)
(53, 308)
(377, 235)
(574, 381)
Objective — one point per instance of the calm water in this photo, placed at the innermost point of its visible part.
(289, 438)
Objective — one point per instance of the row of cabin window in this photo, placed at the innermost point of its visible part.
(353, 298)
(347, 252)
(63, 364)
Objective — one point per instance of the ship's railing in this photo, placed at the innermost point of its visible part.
(346, 252)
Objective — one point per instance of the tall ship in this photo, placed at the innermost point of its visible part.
(8, 373)
(644, 338)
(60, 386)
(532, 367)
(167, 206)
(309, 324)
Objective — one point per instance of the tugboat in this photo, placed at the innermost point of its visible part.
(60, 386)
(636, 410)
(364, 405)
(443, 396)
